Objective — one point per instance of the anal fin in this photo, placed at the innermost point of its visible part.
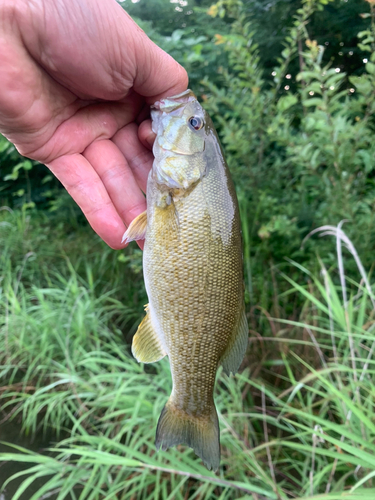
(236, 349)
(146, 346)
(137, 229)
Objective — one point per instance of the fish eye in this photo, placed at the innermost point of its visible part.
(196, 122)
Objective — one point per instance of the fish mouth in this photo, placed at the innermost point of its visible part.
(169, 106)
(174, 103)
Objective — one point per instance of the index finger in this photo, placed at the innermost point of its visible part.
(87, 189)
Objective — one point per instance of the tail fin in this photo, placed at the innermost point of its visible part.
(202, 434)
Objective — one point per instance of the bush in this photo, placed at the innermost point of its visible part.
(301, 150)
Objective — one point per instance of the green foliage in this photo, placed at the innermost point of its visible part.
(296, 423)
(41, 250)
(334, 24)
(24, 182)
(302, 150)
(184, 30)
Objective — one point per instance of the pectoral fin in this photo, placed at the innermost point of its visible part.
(235, 352)
(137, 229)
(146, 346)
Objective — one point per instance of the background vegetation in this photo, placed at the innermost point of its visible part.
(291, 87)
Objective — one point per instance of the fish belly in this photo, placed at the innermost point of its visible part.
(193, 276)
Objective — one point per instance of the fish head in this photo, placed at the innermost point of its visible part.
(180, 126)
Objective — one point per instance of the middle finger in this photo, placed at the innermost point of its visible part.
(117, 177)
(138, 157)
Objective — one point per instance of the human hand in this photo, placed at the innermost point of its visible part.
(77, 77)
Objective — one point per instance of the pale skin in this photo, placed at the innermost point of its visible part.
(77, 78)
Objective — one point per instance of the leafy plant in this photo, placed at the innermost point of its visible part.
(24, 182)
(302, 149)
(296, 423)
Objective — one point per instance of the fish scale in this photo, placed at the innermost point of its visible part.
(193, 273)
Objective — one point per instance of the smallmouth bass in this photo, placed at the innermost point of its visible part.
(192, 264)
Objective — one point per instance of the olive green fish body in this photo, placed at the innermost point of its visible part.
(193, 276)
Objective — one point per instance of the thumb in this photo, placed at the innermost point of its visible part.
(157, 73)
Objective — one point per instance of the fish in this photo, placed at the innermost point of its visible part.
(193, 273)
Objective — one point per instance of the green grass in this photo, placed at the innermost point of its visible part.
(296, 422)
